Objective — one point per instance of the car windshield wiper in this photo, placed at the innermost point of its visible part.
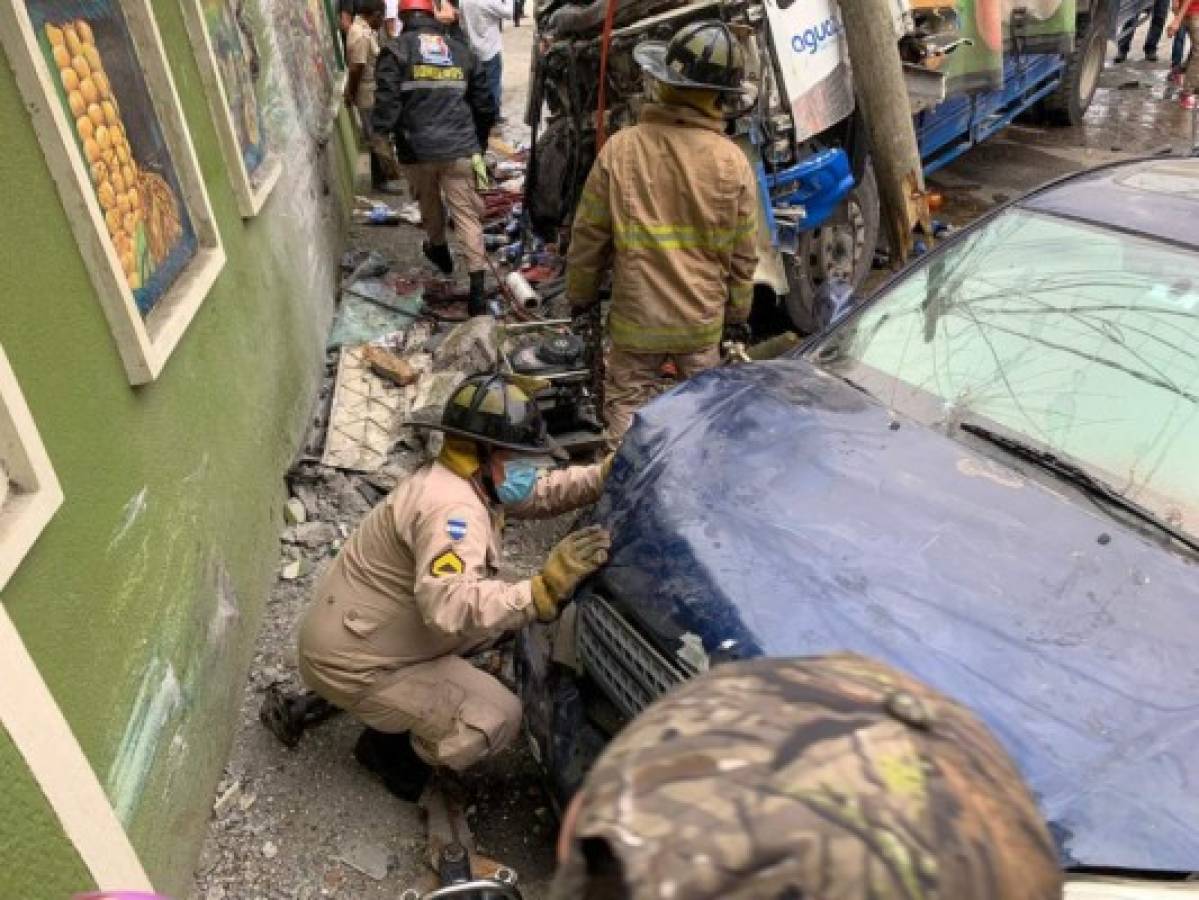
(1079, 477)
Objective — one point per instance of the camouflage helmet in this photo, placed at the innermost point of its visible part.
(826, 777)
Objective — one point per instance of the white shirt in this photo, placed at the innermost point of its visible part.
(482, 20)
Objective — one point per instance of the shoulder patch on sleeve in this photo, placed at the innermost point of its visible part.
(456, 526)
(445, 564)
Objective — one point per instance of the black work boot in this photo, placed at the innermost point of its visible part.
(439, 255)
(477, 305)
(391, 757)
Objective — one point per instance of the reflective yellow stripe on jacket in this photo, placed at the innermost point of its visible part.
(678, 237)
(630, 335)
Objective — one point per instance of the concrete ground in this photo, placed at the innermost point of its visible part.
(309, 823)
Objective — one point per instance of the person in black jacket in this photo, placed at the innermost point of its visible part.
(432, 98)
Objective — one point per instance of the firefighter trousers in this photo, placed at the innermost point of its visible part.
(453, 179)
(633, 379)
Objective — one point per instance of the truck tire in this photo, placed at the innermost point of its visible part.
(842, 248)
(1068, 104)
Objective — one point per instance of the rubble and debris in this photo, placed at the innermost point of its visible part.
(388, 365)
(227, 799)
(362, 319)
(269, 850)
(367, 857)
(364, 416)
(432, 393)
(294, 511)
(312, 534)
(295, 569)
(470, 349)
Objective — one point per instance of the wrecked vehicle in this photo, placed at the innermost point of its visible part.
(984, 475)
(971, 69)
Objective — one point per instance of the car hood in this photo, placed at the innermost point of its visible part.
(773, 509)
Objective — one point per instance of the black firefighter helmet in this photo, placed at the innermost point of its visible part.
(492, 410)
(702, 56)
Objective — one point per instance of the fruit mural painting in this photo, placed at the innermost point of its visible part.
(93, 65)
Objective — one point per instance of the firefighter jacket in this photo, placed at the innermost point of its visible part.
(671, 204)
(431, 95)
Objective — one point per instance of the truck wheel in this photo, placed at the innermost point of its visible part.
(841, 248)
(1068, 104)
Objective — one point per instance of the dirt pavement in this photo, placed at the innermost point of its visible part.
(309, 823)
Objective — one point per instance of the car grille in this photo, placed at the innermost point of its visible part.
(630, 671)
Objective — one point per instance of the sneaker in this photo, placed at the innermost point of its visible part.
(1188, 100)
(1150, 56)
(1120, 57)
(1175, 77)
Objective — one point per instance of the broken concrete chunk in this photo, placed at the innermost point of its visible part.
(433, 392)
(297, 568)
(368, 857)
(315, 534)
(294, 512)
(387, 365)
(471, 348)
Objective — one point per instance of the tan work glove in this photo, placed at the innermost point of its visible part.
(573, 558)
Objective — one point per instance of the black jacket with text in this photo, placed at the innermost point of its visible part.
(431, 94)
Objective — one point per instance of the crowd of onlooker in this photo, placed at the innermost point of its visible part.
(365, 23)
(1184, 62)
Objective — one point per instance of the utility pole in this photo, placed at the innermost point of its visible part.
(883, 101)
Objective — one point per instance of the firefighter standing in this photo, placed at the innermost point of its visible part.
(415, 589)
(432, 98)
(671, 204)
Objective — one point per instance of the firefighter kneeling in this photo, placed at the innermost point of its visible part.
(415, 589)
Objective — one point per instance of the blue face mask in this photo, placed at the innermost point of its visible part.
(520, 476)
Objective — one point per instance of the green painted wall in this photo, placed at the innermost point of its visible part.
(36, 859)
(141, 599)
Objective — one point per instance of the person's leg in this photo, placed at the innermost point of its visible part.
(466, 210)
(1177, 49)
(422, 181)
(378, 172)
(691, 364)
(457, 714)
(1125, 45)
(1157, 24)
(630, 381)
(1190, 81)
(494, 69)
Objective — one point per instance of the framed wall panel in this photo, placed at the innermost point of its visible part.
(29, 490)
(227, 53)
(97, 85)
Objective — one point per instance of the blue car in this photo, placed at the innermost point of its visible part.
(987, 474)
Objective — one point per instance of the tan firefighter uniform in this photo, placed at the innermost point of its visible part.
(413, 589)
(671, 204)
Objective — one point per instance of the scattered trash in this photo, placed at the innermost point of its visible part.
(361, 320)
(472, 348)
(269, 850)
(521, 291)
(294, 512)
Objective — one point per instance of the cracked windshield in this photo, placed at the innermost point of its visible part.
(1080, 340)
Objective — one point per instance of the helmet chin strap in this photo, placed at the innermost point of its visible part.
(485, 477)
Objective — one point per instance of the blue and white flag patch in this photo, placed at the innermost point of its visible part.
(456, 529)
